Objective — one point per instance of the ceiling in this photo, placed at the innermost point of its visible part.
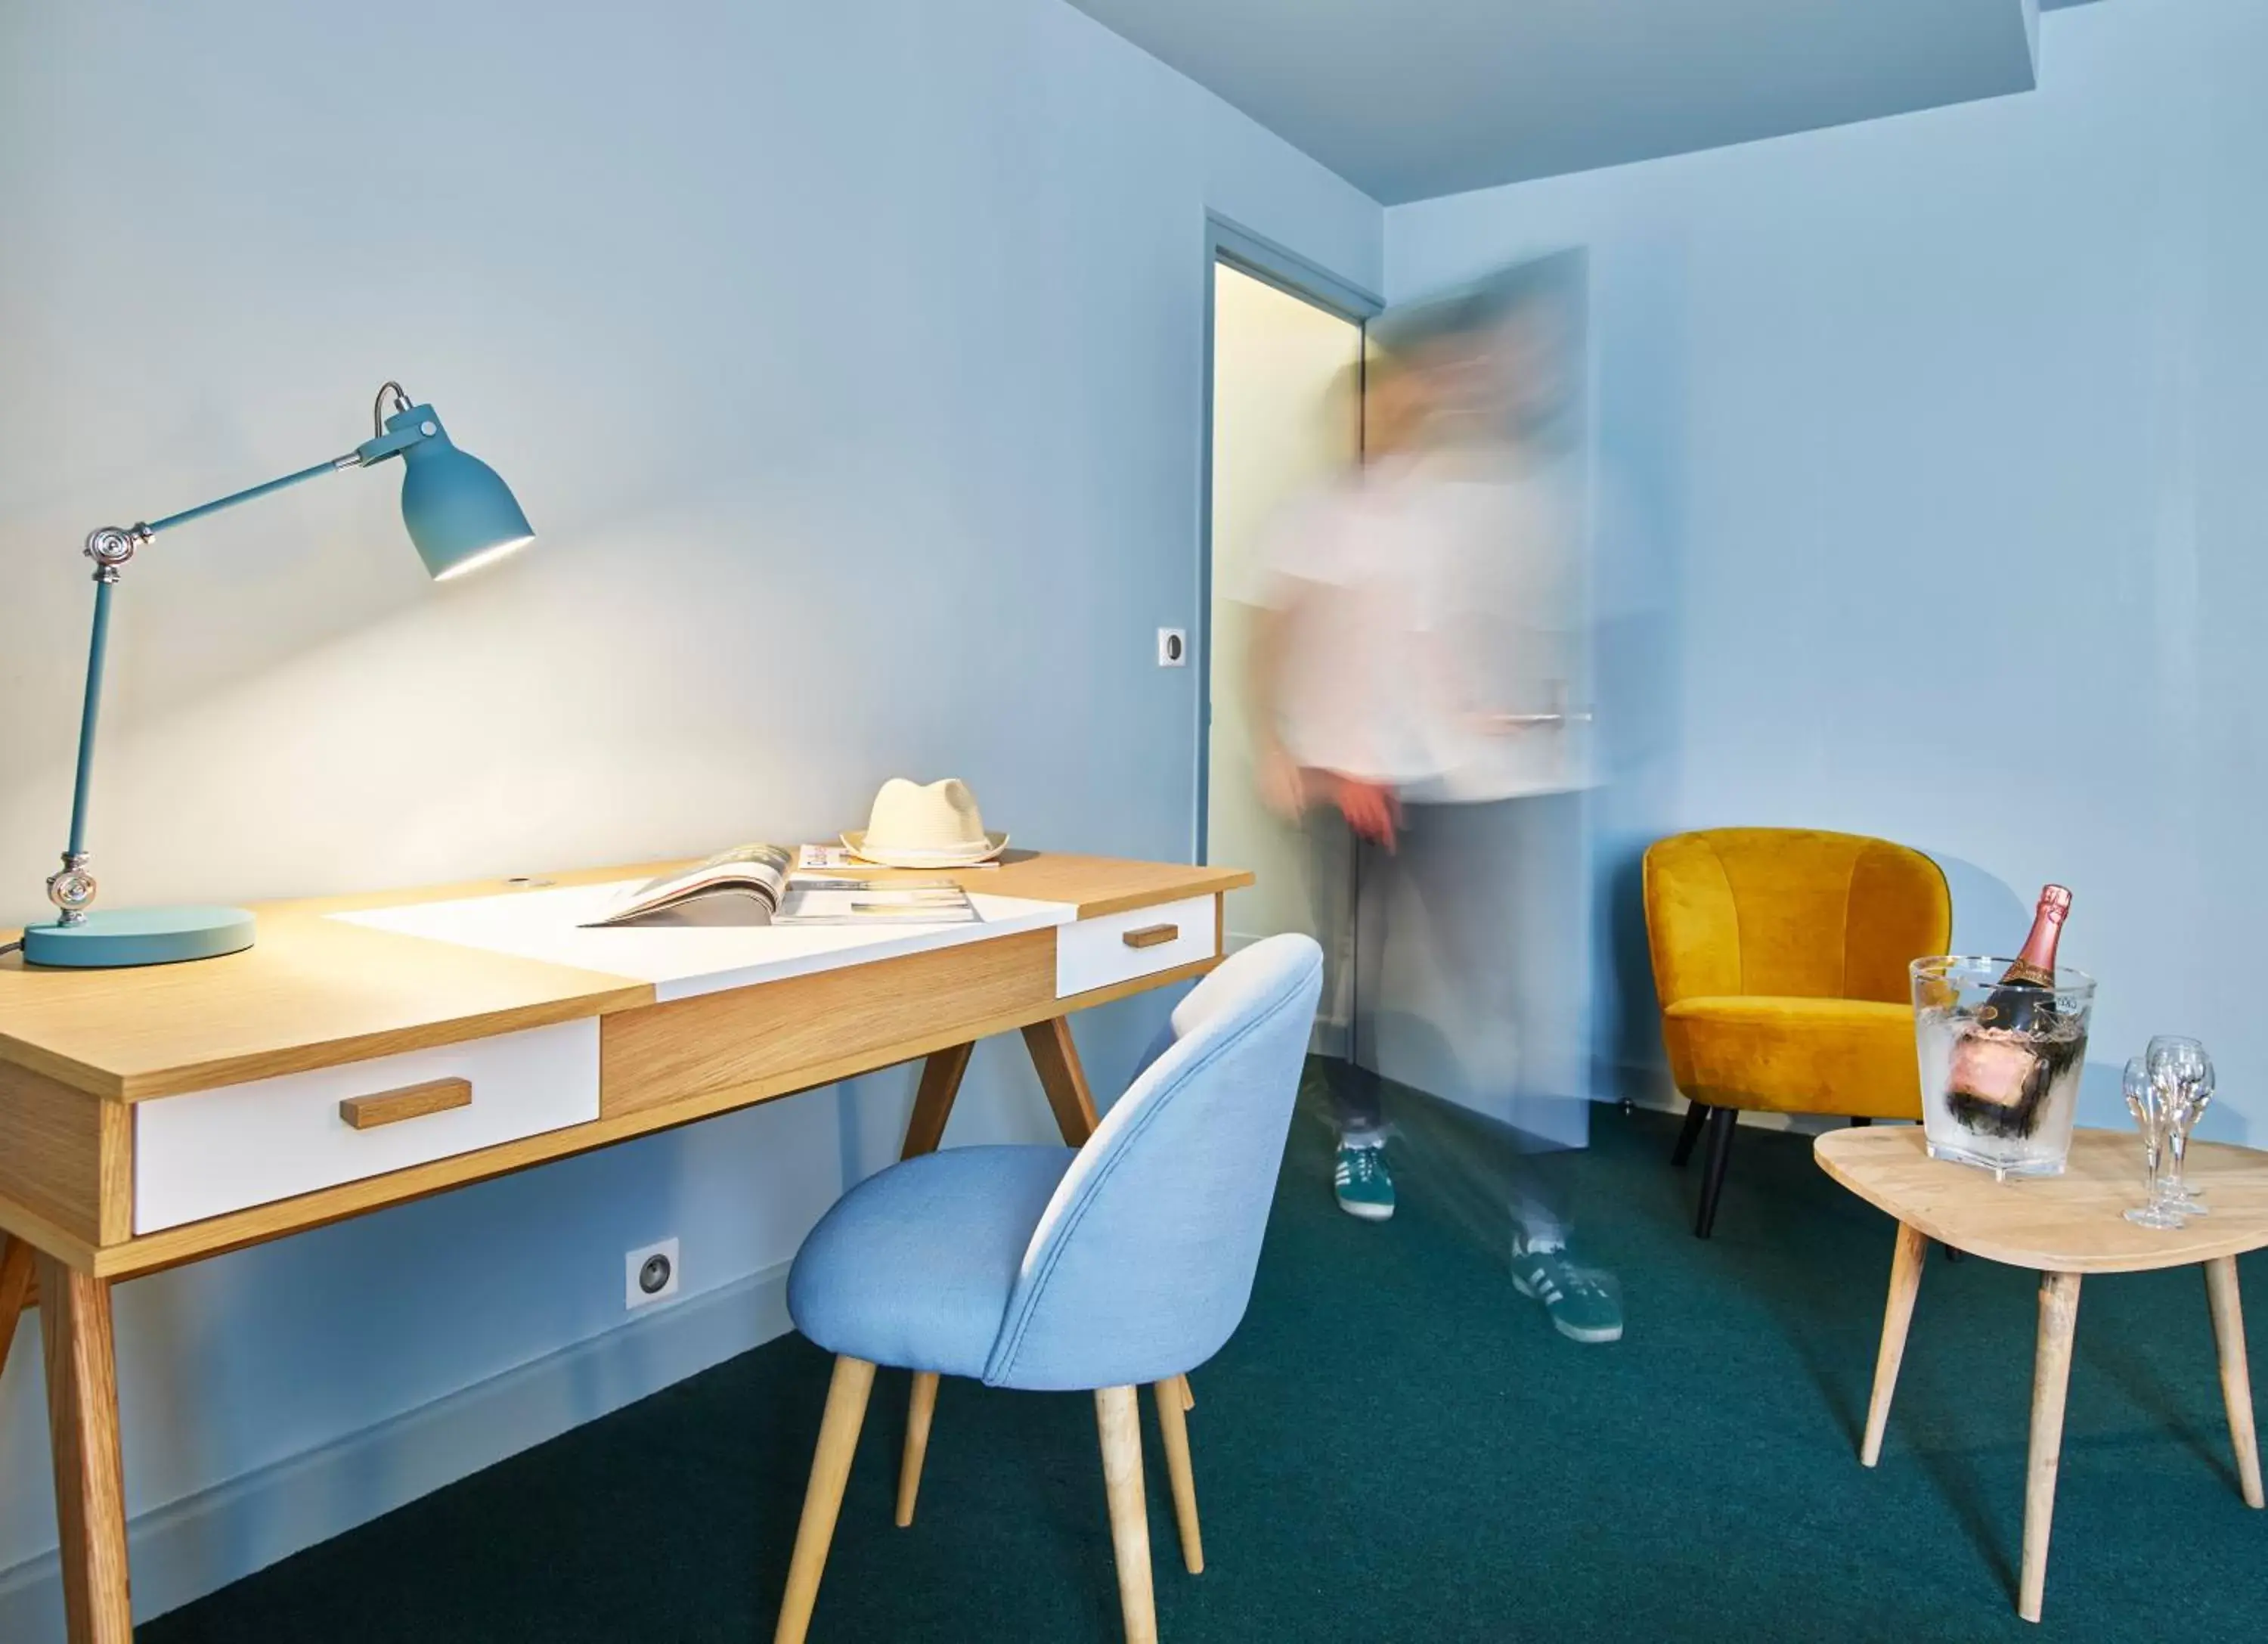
(1410, 98)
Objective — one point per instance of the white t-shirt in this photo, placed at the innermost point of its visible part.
(1423, 599)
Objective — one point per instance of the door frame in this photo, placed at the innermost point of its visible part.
(1228, 242)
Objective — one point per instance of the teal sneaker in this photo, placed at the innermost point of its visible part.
(1362, 1184)
(1581, 1307)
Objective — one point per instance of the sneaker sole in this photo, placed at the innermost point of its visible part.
(1366, 1213)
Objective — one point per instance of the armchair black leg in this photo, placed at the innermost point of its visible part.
(1721, 1121)
(1695, 1113)
(1861, 1123)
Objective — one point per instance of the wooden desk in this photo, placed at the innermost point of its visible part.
(2063, 1227)
(156, 1117)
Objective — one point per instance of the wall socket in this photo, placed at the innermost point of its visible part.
(650, 1274)
(1173, 648)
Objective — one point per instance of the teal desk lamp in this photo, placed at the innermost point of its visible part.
(461, 516)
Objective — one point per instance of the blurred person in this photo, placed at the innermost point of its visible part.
(1415, 680)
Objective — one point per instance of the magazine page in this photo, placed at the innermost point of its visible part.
(758, 871)
(815, 900)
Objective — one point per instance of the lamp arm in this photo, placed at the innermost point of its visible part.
(72, 889)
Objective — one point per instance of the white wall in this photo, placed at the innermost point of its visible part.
(1936, 443)
(847, 359)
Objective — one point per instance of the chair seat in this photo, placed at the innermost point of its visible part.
(913, 1267)
(1836, 1056)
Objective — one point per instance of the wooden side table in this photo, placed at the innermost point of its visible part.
(2063, 1227)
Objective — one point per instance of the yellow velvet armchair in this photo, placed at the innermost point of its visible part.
(1781, 955)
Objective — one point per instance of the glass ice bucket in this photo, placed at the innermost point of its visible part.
(2000, 1062)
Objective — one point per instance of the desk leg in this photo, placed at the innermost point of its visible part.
(1906, 1263)
(2050, 1381)
(2236, 1375)
(1061, 1077)
(940, 1083)
(90, 1477)
(16, 1289)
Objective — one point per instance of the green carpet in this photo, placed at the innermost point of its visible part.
(1396, 1446)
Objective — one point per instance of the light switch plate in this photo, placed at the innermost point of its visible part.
(1173, 648)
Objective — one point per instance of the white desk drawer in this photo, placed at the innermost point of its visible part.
(1119, 947)
(211, 1152)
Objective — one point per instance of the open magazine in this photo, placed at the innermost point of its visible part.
(760, 883)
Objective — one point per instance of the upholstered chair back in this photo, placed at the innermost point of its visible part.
(1141, 1267)
(1791, 912)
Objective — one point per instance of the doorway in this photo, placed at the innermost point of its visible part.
(1285, 417)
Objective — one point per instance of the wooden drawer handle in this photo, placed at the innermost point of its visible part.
(1152, 936)
(412, 1102)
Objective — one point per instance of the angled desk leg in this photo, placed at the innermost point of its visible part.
(89, 1475)
(1061, 1077)
(16, 1289)
(940, 1083)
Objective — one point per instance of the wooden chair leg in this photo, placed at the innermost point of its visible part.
(1118, 1418)
(1696, 1113)
(1189, 1393)
(1061, 1076)
(919, 1408)
(90, 1473)
(1172, 1424)
(2235, 1375)
(1722, 1123)
(2050, 1381)
(823, 1498)
(1906, 1262)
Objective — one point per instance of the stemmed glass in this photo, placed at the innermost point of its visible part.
(2143, 1101)
(2183, 1073)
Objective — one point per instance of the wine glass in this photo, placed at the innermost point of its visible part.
(2144, 1101)
(2179, 1066)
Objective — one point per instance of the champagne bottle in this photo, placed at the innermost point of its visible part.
(2009, 1058)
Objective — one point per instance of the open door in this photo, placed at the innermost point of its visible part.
(1286, 416)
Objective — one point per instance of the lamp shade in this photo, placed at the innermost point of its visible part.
(460, 513)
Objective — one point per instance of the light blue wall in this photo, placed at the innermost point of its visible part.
(1938, 507)
(847, 358)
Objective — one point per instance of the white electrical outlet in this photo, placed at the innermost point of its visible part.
(650, 1274)
(1173, 648)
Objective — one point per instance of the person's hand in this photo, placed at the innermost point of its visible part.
(1283, 789)
(1370, 808)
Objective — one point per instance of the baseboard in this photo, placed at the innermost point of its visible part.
(201, 1542)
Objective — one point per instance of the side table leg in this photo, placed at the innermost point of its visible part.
(2050, 1381)
(2236, 1375)
(1906, 1262)
(1061, 1077)
(89, 1475)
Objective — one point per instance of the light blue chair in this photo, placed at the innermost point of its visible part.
(1126, 1261)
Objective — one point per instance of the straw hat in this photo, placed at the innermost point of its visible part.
(936, 826)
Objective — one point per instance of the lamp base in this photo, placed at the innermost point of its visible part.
(139, 936)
